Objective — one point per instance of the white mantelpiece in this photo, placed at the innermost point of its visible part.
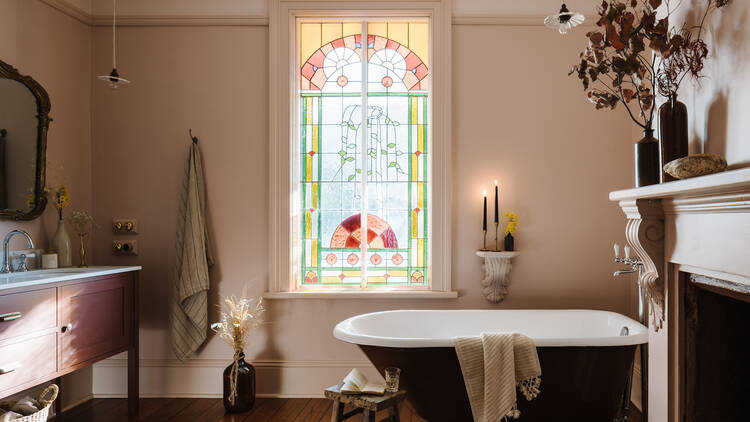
(700, 226)
(497, 266)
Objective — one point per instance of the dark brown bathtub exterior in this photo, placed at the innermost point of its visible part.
(578, 383)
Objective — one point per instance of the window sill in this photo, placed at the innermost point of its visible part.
(339, 294)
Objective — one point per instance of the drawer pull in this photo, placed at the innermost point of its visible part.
(10, 367)
(10, 316)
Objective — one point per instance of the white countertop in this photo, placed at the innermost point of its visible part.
(36, 277)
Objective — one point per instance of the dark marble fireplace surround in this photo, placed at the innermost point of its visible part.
(715, 349)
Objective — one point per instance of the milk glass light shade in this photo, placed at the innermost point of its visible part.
(564, 20)
(114, 79)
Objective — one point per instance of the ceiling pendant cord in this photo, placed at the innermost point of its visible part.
(114, 34)
(114, 78)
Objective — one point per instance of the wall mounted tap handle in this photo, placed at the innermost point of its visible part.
(617, 251)
(627, 251)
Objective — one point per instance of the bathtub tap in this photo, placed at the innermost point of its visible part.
(635, 263)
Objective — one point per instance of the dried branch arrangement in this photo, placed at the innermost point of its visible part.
(616, 66)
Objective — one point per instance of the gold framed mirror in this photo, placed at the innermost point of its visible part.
(24, 122)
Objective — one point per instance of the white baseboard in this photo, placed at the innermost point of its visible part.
(202, 378)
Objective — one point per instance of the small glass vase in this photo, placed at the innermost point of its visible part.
(82, 251)
(242, 398)
(61, 244)
(509, 243)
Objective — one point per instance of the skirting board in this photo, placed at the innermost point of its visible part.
(202, 378)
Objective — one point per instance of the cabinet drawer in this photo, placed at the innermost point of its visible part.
(27, 312)
(28, 361)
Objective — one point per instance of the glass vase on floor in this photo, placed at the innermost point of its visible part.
(239, 385)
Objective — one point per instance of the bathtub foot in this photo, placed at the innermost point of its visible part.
(496, 269)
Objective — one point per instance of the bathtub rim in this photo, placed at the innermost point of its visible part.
(343, 331)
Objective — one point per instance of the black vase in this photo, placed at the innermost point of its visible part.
(245, 397)
(647, 167)
(508, 242)
(673, 135)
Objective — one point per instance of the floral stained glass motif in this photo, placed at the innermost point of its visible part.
(345, 183)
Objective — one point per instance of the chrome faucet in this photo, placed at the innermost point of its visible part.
(6, 259)
(635, 263)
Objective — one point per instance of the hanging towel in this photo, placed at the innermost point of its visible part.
(492, 366)
(192, 261)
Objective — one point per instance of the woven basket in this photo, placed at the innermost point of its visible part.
(41, 415)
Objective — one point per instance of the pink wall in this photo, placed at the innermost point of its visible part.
(55, 49)
(718, 103)
(517, 118)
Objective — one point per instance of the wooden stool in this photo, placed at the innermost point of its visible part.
(367, 405)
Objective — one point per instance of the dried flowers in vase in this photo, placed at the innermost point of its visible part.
(238, 317)
(83, 223)
(510, 228)
(617, 68)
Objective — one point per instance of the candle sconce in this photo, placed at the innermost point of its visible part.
(497, 266)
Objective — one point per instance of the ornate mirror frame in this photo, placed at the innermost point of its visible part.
(42, 109)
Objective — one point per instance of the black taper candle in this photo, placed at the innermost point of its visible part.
(496, 207)
(484, 214)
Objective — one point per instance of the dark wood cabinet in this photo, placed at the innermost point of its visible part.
(52, 329)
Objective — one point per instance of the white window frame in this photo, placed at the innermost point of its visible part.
(283, 75)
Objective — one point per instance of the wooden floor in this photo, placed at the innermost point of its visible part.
(212, 410)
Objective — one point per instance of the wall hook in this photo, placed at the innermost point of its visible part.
(194, 138)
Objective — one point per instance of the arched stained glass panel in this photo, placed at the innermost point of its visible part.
(370, 178)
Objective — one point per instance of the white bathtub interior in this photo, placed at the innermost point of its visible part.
(437, 328)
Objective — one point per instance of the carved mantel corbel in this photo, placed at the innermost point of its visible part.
(645, 235)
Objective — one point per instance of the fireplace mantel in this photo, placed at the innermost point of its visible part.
(697, 226)
(728, 181)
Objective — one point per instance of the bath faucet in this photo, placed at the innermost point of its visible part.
(6, 259)
(635, 263)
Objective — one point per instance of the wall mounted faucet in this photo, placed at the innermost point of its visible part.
(635, 263)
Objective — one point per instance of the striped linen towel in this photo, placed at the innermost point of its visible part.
(192, 259)
(492, 366)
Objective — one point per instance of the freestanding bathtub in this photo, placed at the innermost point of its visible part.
(586, 358)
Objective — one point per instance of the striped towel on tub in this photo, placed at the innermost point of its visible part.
(492, 366)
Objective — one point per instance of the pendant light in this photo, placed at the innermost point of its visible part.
(114, 78)
(564, 20)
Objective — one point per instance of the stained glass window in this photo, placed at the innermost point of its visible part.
(355, 177)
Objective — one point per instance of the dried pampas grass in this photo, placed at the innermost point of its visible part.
(238, 317)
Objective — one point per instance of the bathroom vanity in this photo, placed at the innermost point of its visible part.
(53, 322)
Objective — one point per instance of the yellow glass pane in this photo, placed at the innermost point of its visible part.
(419, 40)
(351, 28)
(377, 28)
(330, 32)
(399, 32)
(309, 40)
